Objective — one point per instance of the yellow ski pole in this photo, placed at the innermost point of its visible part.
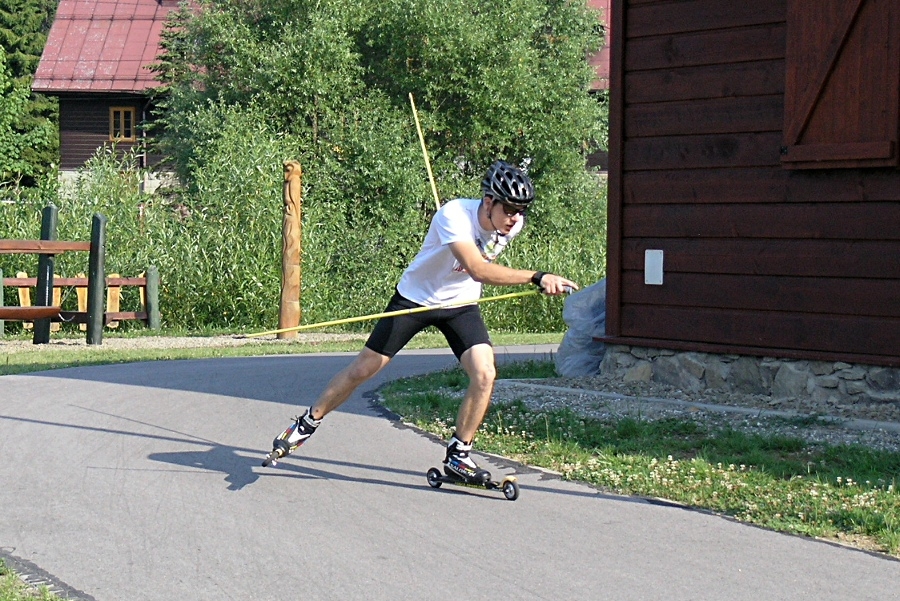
(337, 322)
(437, 200)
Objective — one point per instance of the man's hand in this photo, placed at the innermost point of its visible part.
(553, 284)
(494, 274)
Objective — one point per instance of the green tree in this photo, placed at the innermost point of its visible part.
(16, 139)
(24, 25)
(328, 83)
(491, 79)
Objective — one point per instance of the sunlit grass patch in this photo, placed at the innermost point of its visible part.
(847, 492)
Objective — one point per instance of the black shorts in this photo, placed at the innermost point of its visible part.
(463, 327)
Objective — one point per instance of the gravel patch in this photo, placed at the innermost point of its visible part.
(605, 399)
(881, 411)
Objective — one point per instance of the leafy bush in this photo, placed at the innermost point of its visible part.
(249, 85)
(219, 260)
(27, 139)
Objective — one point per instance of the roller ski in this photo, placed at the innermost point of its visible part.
(290, 440)
(461, 470)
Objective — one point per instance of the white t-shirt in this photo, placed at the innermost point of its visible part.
(435, 276)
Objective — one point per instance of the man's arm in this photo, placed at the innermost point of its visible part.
(480, 270)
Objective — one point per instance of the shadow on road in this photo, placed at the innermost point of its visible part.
(241, 465)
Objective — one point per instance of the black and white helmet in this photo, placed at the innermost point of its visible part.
(508, 184)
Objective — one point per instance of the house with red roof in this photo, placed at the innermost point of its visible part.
(95, 61)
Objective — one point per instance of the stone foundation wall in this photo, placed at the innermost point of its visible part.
(822, 382)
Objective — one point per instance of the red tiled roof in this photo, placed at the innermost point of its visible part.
(102, 46)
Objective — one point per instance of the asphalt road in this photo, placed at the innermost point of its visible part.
(143, 482)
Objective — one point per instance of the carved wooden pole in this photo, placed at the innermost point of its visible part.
(290, 313)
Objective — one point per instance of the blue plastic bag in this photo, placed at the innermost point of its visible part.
(579, 355)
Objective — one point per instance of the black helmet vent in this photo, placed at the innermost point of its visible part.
(507, 183)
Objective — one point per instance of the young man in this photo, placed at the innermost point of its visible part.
(456, 258)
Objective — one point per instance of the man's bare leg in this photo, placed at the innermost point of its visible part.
(478, 362)
(366, 364)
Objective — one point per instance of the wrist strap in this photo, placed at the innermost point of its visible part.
(537, 277)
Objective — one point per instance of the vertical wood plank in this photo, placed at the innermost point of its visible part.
(616, 151)
(152, 306)
(81, 292)
(44, 291)
(96, 279)
(57, 298)
(142, 291)
(24, 291)
(113, 296)
(24, 298)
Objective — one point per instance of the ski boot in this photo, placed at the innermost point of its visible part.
(460, 469)
(458, 464)
(295, 435)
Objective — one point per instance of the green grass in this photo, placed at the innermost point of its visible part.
(49, 358)
(848, 493)
(13, 589)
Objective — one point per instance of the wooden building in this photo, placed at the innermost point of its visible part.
(754, 179)
(600, 59)
(95, 61)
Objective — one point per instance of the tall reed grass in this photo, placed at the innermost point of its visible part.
(217, 242)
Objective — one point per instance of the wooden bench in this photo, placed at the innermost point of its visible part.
(29, 313)
(47, 248)
(147, 284)
(45, 312)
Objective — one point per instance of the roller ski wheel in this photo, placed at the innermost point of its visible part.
(509, 486)
(281, 447)
(272, 458)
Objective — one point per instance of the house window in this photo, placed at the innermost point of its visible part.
(122, 124)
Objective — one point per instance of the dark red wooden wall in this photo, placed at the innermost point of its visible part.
(755, 143)
(84, 126)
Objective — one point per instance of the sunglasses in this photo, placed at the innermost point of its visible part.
(512, 210)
